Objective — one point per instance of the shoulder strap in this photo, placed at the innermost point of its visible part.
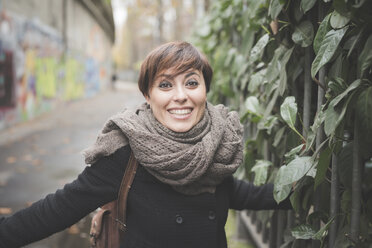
(125, 185)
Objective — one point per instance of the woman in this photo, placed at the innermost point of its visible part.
(187, 149)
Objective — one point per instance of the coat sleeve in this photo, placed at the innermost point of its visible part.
(245, 195)
(95, 186)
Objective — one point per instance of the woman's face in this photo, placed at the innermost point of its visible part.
(178, 102)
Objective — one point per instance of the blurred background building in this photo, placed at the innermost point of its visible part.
(52, 51)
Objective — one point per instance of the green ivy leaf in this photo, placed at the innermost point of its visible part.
(306, 5)
(338, 21)
(256, 80)
(327, 49)
(336, 86)
(349, 89)
(260, 171)
(267, 123)
(304, 231)
(293, 153)
(365, 57)
(319, 235)
(283, 71)
(288, 111)
(323, 164)
(319, 119)
(303, 34)
(335, 68)
(323, 29)
(331, 117)
(281, 192)
(334, 116)
(258, 49)
(274, 8)
(310, 140)
(295, 170)
(274, 67)
(288, 174)
(253, 106)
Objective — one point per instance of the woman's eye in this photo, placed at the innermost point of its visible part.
(165, 85)
(193, 83)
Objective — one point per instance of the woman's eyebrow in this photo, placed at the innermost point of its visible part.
(166, 76)
(191, 73)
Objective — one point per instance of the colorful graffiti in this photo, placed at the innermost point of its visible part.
(74, 82)
(36, 71)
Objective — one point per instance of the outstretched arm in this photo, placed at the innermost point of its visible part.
(94, 187)
(245, 195)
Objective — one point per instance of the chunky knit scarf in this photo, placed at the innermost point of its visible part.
(192, 162)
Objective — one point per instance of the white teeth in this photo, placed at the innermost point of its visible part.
(180, 111)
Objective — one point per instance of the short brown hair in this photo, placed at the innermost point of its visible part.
(181, 56)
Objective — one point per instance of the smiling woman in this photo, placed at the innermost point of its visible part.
(175, 79)
(187, 150)
(178, 102)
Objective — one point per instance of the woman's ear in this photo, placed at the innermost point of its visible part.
(147, 99)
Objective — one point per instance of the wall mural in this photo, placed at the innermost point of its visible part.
(34, 74)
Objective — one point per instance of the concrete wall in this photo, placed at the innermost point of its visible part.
(51, 51)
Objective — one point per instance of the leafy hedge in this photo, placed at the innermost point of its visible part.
(299, 72)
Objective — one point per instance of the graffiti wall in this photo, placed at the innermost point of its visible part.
(37, 72)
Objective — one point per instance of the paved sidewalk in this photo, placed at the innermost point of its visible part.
(40, 156)
(123, 90)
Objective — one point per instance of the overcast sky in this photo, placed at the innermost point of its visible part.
(120, 12)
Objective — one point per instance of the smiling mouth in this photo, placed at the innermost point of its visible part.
(180, 111)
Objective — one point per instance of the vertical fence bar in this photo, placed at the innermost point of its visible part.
(356, 187)
(281, 220)
(335, 201)
(290, 218)
(307, 107)
(265, 233)
(273, 226)
(319, 140)
(322, 73)
(280, 228)
(241, 230)
(307, 92)
(259, 226)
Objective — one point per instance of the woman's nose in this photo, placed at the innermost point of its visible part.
(180, 94)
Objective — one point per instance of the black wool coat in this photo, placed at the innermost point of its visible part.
(157, 216)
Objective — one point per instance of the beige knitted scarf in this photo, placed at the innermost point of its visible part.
(192, 162)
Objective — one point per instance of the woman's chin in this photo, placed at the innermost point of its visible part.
(180, 127)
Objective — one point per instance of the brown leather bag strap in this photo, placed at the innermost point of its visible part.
(125, 185)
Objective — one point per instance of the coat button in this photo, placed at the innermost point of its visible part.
(179, 219)
(212, 215)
